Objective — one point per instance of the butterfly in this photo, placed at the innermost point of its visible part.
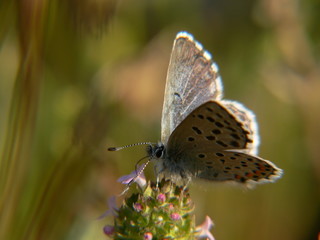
(203, 135)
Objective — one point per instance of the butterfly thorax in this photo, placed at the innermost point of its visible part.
(166, 165)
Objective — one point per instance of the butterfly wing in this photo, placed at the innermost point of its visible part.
(192, 79)
(212, 143)
(248, 121)
(213, 126)
(234, 166)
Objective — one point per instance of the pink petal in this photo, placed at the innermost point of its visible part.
(204, 229)
(112, 205)
(139, 179)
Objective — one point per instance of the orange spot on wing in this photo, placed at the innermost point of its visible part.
(237, 176)
(262, 167)
(249, 174)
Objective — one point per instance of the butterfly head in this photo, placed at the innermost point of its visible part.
(156, 151)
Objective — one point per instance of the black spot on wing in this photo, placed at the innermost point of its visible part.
(197, 130)
(216, 131)
(211, 138)
(210, 119)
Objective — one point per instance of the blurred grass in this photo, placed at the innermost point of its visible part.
(78, 76)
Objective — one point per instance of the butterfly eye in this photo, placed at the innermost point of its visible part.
(158, 153)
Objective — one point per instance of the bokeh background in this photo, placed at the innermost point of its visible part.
(79, 76)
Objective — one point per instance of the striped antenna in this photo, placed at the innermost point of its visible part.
(129, 145)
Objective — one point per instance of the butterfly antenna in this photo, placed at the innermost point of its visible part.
(129, 145)
(142, 169)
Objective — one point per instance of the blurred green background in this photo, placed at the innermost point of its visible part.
(79, 76)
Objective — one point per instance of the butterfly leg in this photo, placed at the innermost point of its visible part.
(159, 174)
(185, 187)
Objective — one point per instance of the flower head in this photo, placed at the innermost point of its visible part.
(204, 229)
(167, 203)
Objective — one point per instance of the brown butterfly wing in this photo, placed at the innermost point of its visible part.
(211, 143)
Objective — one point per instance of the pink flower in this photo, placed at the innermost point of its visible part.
(204, 229)
(108, 230)
(175, 216)
(138, 207)
(148, 236)
(161, 197)
(135, 176)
